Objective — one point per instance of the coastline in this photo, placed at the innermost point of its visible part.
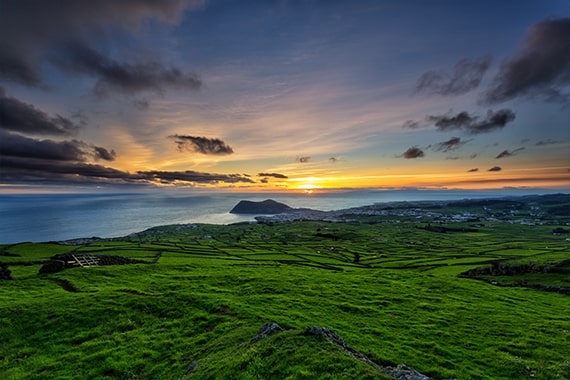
(60, 217)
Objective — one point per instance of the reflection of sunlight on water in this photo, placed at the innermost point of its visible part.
(308, 188)
(222, 218)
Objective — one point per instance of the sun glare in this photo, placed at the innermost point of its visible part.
(308, 188)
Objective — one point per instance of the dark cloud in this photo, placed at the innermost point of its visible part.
(17, 116)
(449, 145)
(274, 175)
(333, 160)
(74, 150)
(202, 145)
(448, 122)
(495, 169)
(304, 159)
(33, 170)
(494, 120)
(548, 142)
(192, 176)
(16, 69)
(507, 153)
(29, 169)
(126, 78)
(466, 76)
(413, 152)
(411, 124)
(28, 37)
(540, 69)
(473, 170)
(101, 153)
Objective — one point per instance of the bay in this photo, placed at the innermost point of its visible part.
(55, 217)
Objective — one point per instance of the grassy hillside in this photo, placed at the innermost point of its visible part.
(387, 285)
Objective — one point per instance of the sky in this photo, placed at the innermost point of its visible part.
(284, 95)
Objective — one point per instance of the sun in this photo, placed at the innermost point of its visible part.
(308, 188)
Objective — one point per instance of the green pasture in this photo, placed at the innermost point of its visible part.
(391, 290)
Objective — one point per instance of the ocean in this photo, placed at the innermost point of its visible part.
(54, 217)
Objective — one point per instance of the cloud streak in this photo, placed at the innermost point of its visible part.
(466, 76)
(191, 176)
(127, 78)
(540, 69)
(548, 142)
(410, 124)
(449, 145)
(203, 145)
(494, 120)
(17, 116)
(274, 175)
(507, 153)
(33, 170)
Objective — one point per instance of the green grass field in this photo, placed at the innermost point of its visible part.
(391, 290)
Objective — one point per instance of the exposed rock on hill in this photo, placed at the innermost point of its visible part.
(5, 273)
(267, 329)
(400, 372)
(268, 206)
(334, 338)
(403, 372)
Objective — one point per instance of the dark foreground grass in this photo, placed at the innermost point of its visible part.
(390, 290)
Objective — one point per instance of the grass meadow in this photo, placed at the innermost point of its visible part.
(389, 288)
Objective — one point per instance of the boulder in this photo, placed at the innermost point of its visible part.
(267, 329)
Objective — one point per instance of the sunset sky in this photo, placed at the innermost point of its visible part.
(269, 95)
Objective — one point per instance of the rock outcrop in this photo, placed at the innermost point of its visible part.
(400, 372)
(267, 329)
(5, 273)
(403, 372)
(334, 338)
(268, 207)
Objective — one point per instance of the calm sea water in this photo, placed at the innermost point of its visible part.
(52, 217)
